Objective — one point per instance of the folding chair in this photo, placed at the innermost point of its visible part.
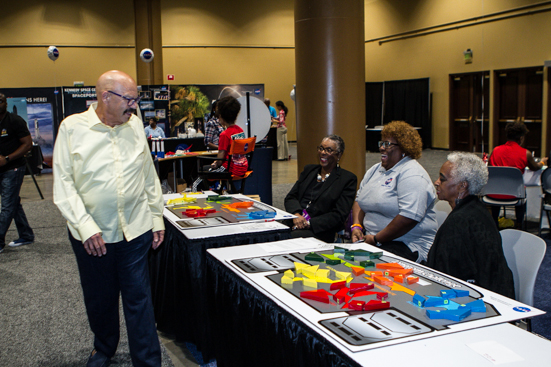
(546, 197)
(505, 181)
(524, 253)
(442, 209)
(243, 147)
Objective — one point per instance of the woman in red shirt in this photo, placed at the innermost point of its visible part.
(512, 154)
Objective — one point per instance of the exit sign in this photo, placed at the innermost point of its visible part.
(170, 77)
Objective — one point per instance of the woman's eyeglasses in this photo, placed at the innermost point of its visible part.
(326, 150)
(386, 144)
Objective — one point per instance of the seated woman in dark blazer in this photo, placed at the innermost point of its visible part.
(468, 244)
(323, 195)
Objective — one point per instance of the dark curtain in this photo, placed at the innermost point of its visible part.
(409, 101)
(373, 104)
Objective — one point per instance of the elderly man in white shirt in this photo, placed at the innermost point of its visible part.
(106, 187)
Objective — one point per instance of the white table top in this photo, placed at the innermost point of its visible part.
(477, 344)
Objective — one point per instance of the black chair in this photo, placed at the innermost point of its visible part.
(546, 197)
(505, 181)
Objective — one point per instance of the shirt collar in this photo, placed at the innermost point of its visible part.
(95, 122)
(400, 162)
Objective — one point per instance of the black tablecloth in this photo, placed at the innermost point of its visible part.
(250, 329)
(179, 284)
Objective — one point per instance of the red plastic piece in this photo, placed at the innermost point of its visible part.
(337, 285)
(382, 296)
(412, 280)
(376, 305)
(356, 305)
(358, 287)
(364, 293)
(319, 295)
(340, 296)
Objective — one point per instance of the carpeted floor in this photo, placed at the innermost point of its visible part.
(42, 317)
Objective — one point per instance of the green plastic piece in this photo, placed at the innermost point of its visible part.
(349, 256)
(332, 262)
(367, 263)
(217, 198)
(312, 256)
(375, 255)
(361, 253)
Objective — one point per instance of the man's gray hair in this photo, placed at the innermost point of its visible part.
(470, 168)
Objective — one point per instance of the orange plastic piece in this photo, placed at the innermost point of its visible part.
(389, 266)
(241, 204)
(376, 305)
(382, 280)
(403, 272)
(357, 271)
(401, 288)
(412, 280)
(374, 273)
(399, 278)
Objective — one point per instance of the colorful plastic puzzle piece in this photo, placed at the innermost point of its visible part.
(337, 285)
(418, 300)
(411, 280)
(356, 305)
(289, 273)
(399, 278)
(349, 256)
(367, 263)
(357, 271)
(382, 296)
(312, 256)
(448, 294)
(332, 262)
(461, 293)
(376, 305)
(310, 271)
(389, 266)
(286, 280)
(452, 315)
(436, 301)
(319, 295)
(375, 255)
(312, 283)
(374, 273)
(358, 287)
(340, 296)
(404, 272)
(382, 280)
(477, 306)
(218, 198)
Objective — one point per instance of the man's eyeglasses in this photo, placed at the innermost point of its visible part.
(130, 101)
(386, 144)
(326, 150)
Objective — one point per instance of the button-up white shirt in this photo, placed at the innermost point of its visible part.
(104, 179)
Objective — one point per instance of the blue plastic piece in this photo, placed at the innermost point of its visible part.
(477, 306)
(435, 302)
(418, 300)
(450, 293)
(461, 293)
(452, 315)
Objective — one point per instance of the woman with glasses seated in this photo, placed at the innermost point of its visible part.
(394, 204)
(323, 195)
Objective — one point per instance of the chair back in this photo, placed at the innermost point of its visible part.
(546, 181)
(442, 208)
(524, 253)
(242, 146)
(504, 181)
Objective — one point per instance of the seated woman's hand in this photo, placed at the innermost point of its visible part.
(300, 222)
(357, 234)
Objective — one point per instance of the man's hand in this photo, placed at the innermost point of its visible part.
(158, 238)
(95, 245)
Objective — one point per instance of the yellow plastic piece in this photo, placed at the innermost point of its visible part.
(322, 273)
(343, 275)
(310, 271)
(324, 280)
(297, 279)
(401, 288)
(286, 280)
(182, 200)
(309, 283)
(299, 267)
(289, 273)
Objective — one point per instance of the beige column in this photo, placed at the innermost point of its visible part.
(147, 14)
(330, 78)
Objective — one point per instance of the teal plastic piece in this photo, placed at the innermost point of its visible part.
(361, 253)
(375, 255)
(367, 263)
(332, 262)
(312, 256)
(348, 256)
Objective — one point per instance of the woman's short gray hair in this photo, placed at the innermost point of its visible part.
(468, 167)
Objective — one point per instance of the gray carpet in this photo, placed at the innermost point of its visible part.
(42, 316)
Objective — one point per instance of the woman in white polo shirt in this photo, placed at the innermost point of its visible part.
(394, 205)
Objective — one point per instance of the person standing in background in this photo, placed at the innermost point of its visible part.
(273, 112)
(15, 142)
(213, 129)
(282, 143)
